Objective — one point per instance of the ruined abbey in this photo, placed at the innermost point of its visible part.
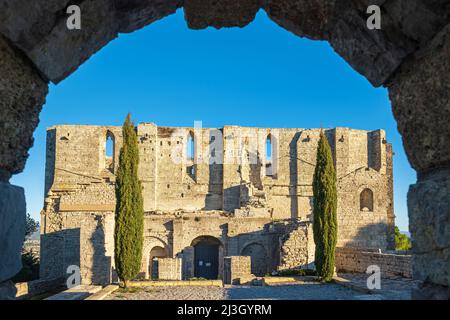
(211, 196)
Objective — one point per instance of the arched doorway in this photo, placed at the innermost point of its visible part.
(206, 257)
(155, 254)
(258, 256)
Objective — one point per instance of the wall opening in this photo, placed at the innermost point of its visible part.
(190, 156)
(109, 151)
(366, 200)
(153, 267)
(258, 256)
(206, 257)
(269, 156)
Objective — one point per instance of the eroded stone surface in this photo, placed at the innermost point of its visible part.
(22, 94)
(420, 96)
(310, 18)
(429, 214)
(57, 51)
(7, 291)
(201, 14)
(12, 229)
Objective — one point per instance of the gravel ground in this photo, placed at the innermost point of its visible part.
(171, 293)
(308, 291)
(391, 288)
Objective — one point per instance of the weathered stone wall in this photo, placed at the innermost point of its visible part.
(228, 196)
(86, 240)
(237, 269)
(25, 290)
(358, 260)
(12, 229)
(170, 269)
(420, 96)
(22, 94)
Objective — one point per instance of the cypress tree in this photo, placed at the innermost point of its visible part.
(325, 206)
(129, 215)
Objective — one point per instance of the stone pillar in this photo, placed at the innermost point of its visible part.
(188, 263)
(420, 95)
(22, 94)
(12, 229)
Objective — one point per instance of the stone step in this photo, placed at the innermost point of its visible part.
(77, 293)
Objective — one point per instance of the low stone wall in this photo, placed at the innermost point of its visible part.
(237, 270)
(27, 289)
(169, 269)
(358, 260)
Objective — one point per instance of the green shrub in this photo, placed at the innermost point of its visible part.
(402, 241)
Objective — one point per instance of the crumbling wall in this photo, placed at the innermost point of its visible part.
(229, 196)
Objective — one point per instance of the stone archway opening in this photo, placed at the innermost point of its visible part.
(207, 257)
(409, 56)
(155, 254)
(258, 254)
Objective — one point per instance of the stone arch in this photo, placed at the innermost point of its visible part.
(156, 253)
(149, 244)
(191, 152)
(39, 49)
(259, 257)
(110, 151)
(208, 257)
(366, 200)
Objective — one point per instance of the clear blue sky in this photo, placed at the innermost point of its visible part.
(260, 76)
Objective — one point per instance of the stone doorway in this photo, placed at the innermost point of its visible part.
(155, 254)
(206, 258)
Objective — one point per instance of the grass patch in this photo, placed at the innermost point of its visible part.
(129, 290)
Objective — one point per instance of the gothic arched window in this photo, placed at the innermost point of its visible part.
(269, 156)
(109, 151)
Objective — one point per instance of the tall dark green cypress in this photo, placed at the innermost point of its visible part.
(129, 226)
(325, 207)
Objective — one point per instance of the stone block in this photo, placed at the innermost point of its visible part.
(12, 229)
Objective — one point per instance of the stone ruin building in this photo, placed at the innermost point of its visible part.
(210, 194)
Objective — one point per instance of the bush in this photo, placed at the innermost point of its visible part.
(402, 241)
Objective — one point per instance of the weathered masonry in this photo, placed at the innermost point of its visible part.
(210, 194)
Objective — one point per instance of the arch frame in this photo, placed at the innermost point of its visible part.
(260, 244)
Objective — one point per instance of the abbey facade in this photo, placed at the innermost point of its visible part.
(210, 194)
